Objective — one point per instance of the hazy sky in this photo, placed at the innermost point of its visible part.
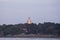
(17, 11)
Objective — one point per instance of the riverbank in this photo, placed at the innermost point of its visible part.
(31, 36)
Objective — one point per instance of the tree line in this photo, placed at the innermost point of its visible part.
(46, 28)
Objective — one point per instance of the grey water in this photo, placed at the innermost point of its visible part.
(29, 38)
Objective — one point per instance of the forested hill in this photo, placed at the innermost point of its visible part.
(46, 28)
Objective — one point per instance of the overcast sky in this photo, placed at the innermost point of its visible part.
(17, 11)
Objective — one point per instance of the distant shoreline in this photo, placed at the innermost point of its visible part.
(31, 36)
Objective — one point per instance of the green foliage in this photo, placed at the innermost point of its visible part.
(47, 28)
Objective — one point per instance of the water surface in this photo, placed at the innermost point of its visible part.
(29, 38)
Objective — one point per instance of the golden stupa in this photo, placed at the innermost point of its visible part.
(29, 21)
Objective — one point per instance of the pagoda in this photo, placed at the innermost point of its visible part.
(29, 21)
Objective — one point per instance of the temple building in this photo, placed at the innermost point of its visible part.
(29, 21)
(25, 26)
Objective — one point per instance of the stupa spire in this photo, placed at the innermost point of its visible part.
(29, 21)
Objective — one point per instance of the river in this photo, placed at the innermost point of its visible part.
(29, 38)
